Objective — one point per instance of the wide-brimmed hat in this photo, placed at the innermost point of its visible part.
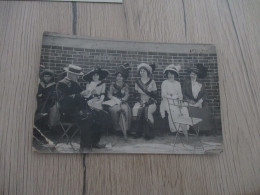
(172, 68)
(102, 74)
(149, 67)
(123, 70)
(74, 69)
(199, 70)
(47, 72)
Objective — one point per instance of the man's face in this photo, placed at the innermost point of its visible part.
(46, 78)
(73, 77)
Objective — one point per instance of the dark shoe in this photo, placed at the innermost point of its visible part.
(99, 146)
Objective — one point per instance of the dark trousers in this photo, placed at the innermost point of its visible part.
(91, 128)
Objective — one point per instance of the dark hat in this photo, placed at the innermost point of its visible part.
(47, 72)
(102, 74)
(123, 70)
(199, 70)
(74, 69)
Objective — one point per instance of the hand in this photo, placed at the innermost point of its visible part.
(83, 93)
(93, 92)
(192, 102)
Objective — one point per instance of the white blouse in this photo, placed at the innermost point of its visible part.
(195, 87)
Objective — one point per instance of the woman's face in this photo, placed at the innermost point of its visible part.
(143, 73)
(46, 78)
(119, 77)
(171, 75)
(193, 76)
(95, 77)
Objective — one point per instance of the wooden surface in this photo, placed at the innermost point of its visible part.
(233, 25)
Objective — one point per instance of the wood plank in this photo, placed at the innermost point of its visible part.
(232, 25)
(211, 22)
(22, 170)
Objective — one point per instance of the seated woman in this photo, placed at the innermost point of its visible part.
(194, 92)
(144, 108)
(171, 93)
(45, 97)
(118, 94)
(94, 95)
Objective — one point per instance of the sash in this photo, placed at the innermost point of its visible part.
(144, 87)
(118, 88)
(96, 95)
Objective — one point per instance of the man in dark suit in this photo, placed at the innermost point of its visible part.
(73, 107)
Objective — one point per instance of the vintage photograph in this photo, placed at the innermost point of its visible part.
(115, 96)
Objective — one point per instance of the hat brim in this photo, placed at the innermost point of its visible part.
(146, 66)
(102, 75)
(80, 73)
(48, 72)
(171, 70)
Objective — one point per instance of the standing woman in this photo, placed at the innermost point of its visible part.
(194, 92)
(145, 106)
(171, 93)
(119, 94)
(94, 95)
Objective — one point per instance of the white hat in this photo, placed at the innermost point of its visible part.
(74, 69)
(173, 68)
(148, 67)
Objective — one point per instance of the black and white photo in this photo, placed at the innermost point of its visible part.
(114, 96)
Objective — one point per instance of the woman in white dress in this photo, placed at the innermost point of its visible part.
(94, 96)
(95, 88)
(172, 93)
(146, 93)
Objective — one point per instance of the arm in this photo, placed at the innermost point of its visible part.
(125, 98)
(110, 92)
(103, 90)
(180, 96)
(164, 90)
(201, 96)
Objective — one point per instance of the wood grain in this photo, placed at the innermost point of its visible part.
(233, 25)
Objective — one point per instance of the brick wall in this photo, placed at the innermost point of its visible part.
(57, 57)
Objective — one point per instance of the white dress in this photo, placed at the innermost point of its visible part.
(99, 89)
(170, 91)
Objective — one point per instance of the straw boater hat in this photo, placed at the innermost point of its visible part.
(47, 72)
(150, 68)
(199, 70)
(74, 69)
(102, 74)
(123, 70)
(172, 68)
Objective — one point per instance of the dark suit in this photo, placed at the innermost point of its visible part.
(73, 107)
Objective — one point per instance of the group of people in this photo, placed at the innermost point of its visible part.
(91, 108)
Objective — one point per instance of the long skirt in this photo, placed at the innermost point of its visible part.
(121, 116)
(144, 116)
(174, 112)
(205, 114)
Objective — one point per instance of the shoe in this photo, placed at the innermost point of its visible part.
(99, 146)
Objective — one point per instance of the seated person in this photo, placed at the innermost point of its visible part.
(46, 97)
(118, 94)
(73, 107)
